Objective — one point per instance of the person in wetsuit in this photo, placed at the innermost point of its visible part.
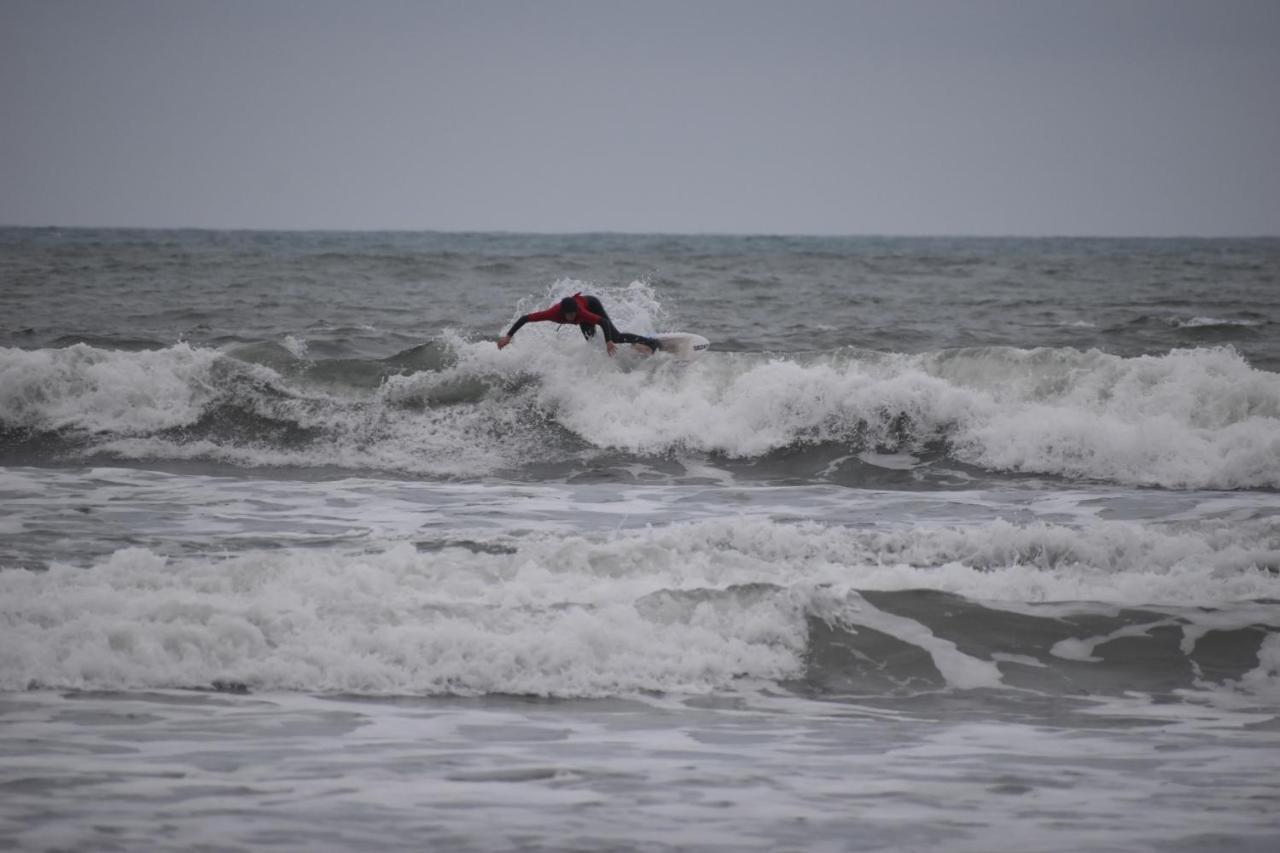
(587, 313)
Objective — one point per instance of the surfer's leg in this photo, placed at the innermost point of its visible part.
(611, 332)
(629, 338)
(651, 344)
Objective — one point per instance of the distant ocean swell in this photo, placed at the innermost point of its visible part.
(1191, 418)
(1100, 608)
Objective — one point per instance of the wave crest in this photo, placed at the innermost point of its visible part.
(687, 608)
(1196, 418)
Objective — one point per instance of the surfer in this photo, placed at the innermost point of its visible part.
(587, 313)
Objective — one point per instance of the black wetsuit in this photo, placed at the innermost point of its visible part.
(611, 332)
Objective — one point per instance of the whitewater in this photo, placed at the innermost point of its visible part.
(962, 543)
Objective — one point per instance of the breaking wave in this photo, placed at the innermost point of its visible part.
(1191, 418)
(688, 608)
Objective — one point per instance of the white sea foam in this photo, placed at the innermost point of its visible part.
(1199, 418)
(1264, 680)
(685, 608)
(105, 391)
(389, 622)
(1197, 322)
(295, 345)
(1192, 418)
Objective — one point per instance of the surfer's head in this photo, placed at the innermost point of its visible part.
(569, 306)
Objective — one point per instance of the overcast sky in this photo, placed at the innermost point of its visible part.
(946, 117)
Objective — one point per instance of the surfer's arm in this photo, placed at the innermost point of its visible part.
(602, 320)
(536, 316)
(515, 327)
(610, 332)
(504, 340)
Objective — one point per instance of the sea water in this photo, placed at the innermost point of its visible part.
(967, 544)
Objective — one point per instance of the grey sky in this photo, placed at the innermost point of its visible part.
(1081, 117)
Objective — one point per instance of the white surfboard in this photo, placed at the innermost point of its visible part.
(683, 345)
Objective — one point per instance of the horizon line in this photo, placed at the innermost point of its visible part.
(645, 233)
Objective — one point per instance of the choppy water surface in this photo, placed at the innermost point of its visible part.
(970, 544)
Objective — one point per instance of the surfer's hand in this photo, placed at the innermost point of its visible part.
(503, 341)
(611, 347)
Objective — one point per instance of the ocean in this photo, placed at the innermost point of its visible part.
(952, 544)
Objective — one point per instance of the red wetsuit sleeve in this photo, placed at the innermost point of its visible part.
(552, 313)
